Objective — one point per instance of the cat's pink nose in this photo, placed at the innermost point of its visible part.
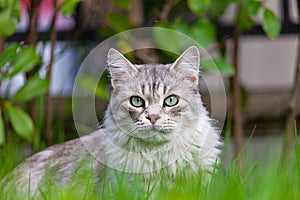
(153, 118)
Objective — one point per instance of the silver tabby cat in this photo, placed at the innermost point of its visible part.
(155, 124)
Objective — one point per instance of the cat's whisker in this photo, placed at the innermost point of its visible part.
(126, 133)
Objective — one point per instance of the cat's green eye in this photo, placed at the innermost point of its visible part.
(171, 100)
(137, 101)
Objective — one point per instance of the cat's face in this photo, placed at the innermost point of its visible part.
(153, 102)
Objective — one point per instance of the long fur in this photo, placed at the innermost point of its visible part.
(183, 136)
(193, 142)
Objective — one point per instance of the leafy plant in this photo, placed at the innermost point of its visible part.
(68, 7)
(16, 59)
(9, 17)
(270, 23)
(204, 31)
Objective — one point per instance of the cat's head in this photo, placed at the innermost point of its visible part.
(154, 102)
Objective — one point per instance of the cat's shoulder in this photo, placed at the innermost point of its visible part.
(72, 148)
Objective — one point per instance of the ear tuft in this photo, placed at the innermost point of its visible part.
(188, 64)
(118, 66)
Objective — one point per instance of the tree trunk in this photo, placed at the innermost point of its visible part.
(292, 104)
(31, 39)
(53, 36)
(136, 14)
(164, 14)
(237, 126)
(32, 35)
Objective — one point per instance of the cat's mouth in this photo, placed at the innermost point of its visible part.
(155, 136)
(153, 133)
(147, 128)
(156, 129)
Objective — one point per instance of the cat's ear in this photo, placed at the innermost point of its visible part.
(118, 65)
(188, 64)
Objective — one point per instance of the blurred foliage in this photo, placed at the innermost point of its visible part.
(270, 23)
(198, 19)
(95, 86)
(195, 18)
(17, 59)
(9, 17)
(68, 7)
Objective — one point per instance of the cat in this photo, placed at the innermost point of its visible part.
(155, 124)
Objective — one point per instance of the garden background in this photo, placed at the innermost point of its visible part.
(254, 44)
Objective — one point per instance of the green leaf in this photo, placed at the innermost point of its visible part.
(68, 7)
(125, 4)
(218, 64)
(91, 85)
(126, 47)
(2, 131)
(244, 20)
(21, 122)
(14, 8)
(199, 7)
(166, 39)
(34, 87)
(182, 26)
(218, 7)
(9, 53)
(119, 22)
(253, 7)
(105, 32)
(8, 25)
(204, 32)
(102, 92)
(25, 61)
(271, 24)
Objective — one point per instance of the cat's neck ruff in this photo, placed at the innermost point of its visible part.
(149, 98)
(195, 146)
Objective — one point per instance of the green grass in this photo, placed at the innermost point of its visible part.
(260, 180)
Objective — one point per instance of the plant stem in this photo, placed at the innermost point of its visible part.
(292, 104)
(164, 14)
(2, 108)
(31, 39)
(136, 12)
(237, 114)
(48, 96)
(32, 36)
